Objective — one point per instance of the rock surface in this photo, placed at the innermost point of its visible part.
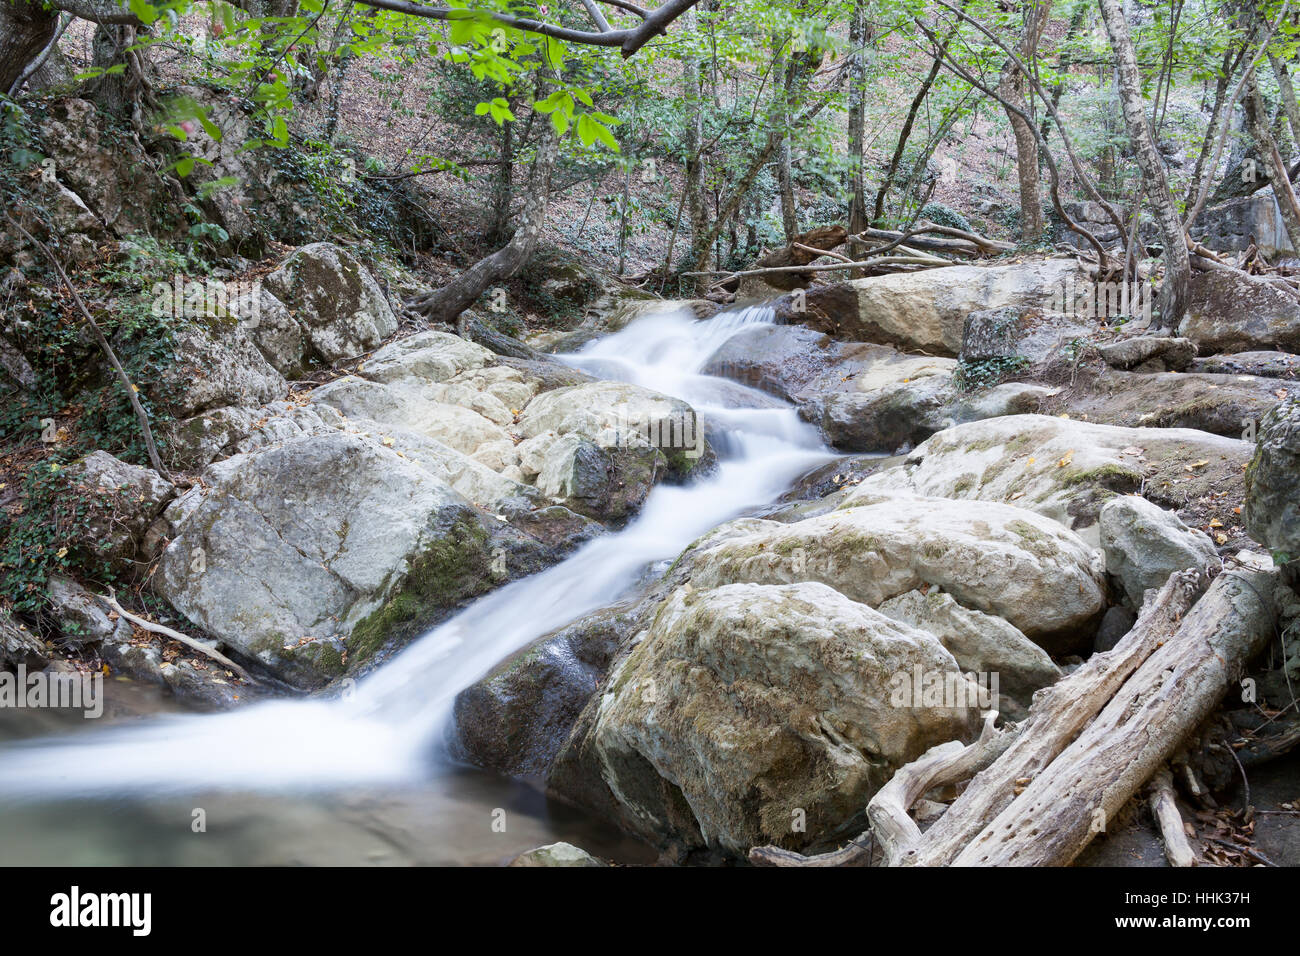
(335, 298)
(1144, 544)
(1272, 508)
(927, 310)
(755, 714)
(1233, 312)
(1064, 469)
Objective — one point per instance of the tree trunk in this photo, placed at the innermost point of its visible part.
(451, 300)
(1011, 86)
(1271, 158)
(1178, 264)
(696, 207)
(785, 182)
(26, 28)
(858, 38)
(502, 188)
(1062, 809)
(1286, 92)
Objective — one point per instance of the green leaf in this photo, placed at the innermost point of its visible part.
(145, 11)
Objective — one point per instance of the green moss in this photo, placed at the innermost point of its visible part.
(1110, 476)
(963, 485)
(452, 569)
(1036, 542)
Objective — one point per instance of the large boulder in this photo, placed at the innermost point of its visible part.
(1144, 544)
(1065, 469)
(411, 408)
(927, 310)
(1272, 508)
(995, 558)
(754, 715)
(280, 337)
(1219, 404)
(862, 397)
(335, 298)
(1235, 312)
(1266, 364)
(601, 447)
(312, 555)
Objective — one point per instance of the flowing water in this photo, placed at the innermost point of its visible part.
(366, 778)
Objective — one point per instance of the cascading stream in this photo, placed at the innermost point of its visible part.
(385, 730)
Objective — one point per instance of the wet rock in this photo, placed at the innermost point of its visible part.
(516, 719)
(1144, 544)
(557, 854)
(313, 555)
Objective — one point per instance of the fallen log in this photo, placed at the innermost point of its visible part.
(1058, 714)
(1063, 808)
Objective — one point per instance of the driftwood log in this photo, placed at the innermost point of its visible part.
(1089, 744)
(1063, 808)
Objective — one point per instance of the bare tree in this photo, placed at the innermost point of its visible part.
(1178, 264)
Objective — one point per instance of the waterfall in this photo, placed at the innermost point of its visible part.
(390, 728)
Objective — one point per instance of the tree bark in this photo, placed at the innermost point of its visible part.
(1012, 87)
(858, 38)
(1061, 810)
(1271, 159)
(1178, 265)
(26, 29)
(451, 300)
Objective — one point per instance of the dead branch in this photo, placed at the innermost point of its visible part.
(189, 642)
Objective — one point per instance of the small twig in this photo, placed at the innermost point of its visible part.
(189, 642)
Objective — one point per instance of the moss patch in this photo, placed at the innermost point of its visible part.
(452, 569)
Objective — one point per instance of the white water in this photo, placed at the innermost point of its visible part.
(387, 729)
